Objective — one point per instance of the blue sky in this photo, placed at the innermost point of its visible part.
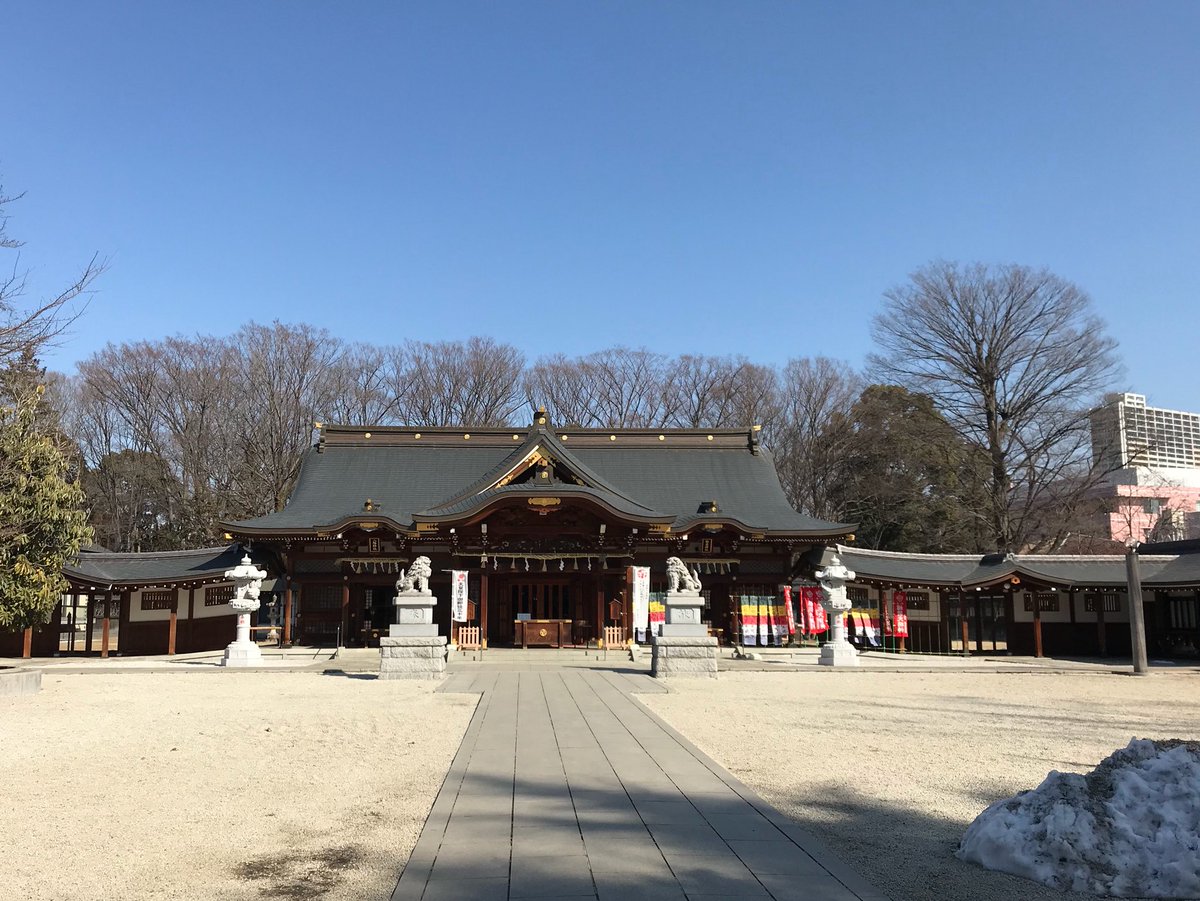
(740, 177)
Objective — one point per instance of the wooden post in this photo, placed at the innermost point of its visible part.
(345, 610)
(104, 627)
(27, 642)
(1137, 623)
(483, 610)
(1101, 628)
(91, 619)
(287, 602)
(601, 621)
(1037, 623)
(962, 622)
(191, 619)
(174, 623)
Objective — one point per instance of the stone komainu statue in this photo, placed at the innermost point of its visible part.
(415, 577)
(681, 578)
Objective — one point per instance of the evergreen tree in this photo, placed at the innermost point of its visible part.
(42, 520)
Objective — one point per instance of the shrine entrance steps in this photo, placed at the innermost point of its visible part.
(566, 787)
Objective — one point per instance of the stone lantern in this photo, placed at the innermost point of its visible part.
(247, 583)
(832, 579)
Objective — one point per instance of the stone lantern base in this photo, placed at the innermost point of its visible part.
(238, 654)
(412, 657)
(242, 651)
(838, 653)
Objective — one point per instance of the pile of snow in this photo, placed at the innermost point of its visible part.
(1129, 828)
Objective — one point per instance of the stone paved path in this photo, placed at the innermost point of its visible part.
(567, 787)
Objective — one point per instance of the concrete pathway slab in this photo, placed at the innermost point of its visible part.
(566, 787)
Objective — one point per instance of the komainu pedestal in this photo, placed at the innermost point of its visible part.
(685, 647)
(412, 657)
(683, 656)
(413, 649)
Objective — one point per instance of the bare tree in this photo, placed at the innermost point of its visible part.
(615, 388)
(472, 383)
(284, 384)
(812, 432)
(564, 387)
(1014, 358)
(28, 327)
(366, 389)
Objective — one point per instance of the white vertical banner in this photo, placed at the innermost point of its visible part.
(458, 595)
(641, 602)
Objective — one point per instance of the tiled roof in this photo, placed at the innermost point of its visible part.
(101, 570)
(974, 570)
(412, 474)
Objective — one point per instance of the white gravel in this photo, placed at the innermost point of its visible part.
(890, 769)
(230, 785)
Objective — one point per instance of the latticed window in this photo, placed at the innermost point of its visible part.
(858, 596)
(158, 600)
(917, 600)
(1047, 601)
(216, 595)
(1111, 600)
(322, 597)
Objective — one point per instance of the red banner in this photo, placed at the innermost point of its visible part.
(791, 614)
(898, 619)
(815, 621)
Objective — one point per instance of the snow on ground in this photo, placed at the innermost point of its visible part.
(1129, 828)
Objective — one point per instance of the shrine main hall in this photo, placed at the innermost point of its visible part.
(546, 522)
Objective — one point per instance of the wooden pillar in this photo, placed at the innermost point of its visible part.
(345, 610)
(601, 613)
(287, 601)
(91, 619)
(126, 602)
(191, 619)
(104, 626)
(1037, 624)
(174, 623)
(483, 610)
(1101, 628)
(962, 622)
(27, 642)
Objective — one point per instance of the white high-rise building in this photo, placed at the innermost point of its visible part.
(1152, 457)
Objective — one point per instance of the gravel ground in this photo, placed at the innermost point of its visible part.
(230, 785)
(890, 769)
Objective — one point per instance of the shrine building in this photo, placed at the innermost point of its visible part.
(545, 521)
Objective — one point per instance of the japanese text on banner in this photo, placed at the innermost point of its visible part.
(640, 578)
(458, 595)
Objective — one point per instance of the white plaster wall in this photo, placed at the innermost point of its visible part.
(202, 612)
(138, 615)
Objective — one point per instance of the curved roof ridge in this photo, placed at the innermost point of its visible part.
(905, 555)
(539, 436)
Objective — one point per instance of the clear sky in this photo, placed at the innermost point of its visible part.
(736, 177)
